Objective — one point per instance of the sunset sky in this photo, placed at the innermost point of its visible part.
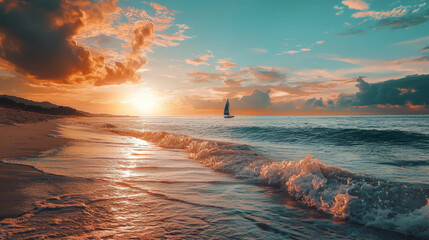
(185, 57)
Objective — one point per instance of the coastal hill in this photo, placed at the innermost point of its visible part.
(20, 110)
(22, 104)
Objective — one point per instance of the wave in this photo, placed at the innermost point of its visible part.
(406, 163)
(362, 199)
(337, 136)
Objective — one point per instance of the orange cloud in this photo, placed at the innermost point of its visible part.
(232, 82)
(225, 65)
(159, 8)
(291, 52)
(356, 4)
(202, 60)
(411, 106)
(201, 77)
(55, 48)
(182, 26)
(396, 12)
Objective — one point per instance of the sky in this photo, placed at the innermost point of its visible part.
(186, 57)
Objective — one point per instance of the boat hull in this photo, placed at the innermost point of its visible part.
(228, 116)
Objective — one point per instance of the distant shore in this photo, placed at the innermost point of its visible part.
(25, 134)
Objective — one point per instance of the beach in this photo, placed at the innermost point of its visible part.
(252, 177)
(25, 134)
(218, 119)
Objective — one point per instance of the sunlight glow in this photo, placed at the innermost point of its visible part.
(145, 102)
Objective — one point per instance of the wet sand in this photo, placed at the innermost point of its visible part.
(20, 185)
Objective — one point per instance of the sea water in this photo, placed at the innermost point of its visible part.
(288, 177)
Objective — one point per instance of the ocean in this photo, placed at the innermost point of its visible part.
(273, 177)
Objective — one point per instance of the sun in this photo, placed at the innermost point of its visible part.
(145, 102)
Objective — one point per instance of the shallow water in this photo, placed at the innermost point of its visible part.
(247, 177)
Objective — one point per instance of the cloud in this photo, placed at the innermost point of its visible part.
(400, 17)
(404, 22)
(261, 74)
(356, 4)
(162, 21)
(232, 82)
(225, 65)
(422, 59)
(125, 71)
(201, 77)
(182, 26)
(405, 95)
(425, 49)
(292, 52)
(259, 50)
(306, 49)
(265, 74)
(396, 12)
(45, 50)
(351, 32)
(317, 104)
(202, 60)
(269, 76)
(159, 8)
(166, 40)
(45, 41)
(355, 61)
(256, 101)
(339, 8)
(419, 6)
(412, 89)
(413, 41)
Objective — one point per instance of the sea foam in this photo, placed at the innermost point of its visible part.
(362, 199)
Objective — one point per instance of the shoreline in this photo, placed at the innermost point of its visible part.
(22, 185)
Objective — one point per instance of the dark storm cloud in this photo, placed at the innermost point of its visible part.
(412, 89)
(36, 45)
(404, 22)
(257, 101)
(404, 95)
(314, 102)
(344, 101)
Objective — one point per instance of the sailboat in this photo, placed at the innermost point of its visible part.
(227, 110)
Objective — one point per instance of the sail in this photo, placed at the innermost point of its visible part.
(226, 111)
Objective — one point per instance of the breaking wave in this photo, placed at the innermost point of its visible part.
(362, 199)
